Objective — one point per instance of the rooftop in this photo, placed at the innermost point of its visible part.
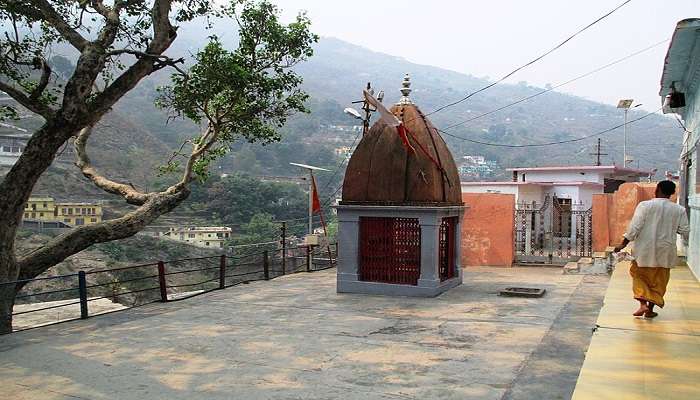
(600, 168)
(511, 183)
(201, 228)
(294, 338)
(679, 68)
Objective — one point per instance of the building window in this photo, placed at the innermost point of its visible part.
(26, 215)
(33, 206)
(80, 221)
(45, 205)
(207, 243)
(64, 211)
(41, 215)
(66, 220)
(221, 244)
(70, 211)
(219, 235)
(33, 215)
(191, 235)
(93, 219)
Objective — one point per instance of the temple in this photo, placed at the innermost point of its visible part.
(400, 213)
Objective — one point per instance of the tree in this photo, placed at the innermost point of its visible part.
(245, 94)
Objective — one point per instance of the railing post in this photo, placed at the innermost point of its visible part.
(82, 289)
(161, 282)
(284, 247)
(222, 272)
(266, 265)
(308, 258)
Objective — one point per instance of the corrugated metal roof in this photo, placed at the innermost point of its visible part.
(682, 62)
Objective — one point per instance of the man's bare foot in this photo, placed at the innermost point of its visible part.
(643, 309)
(650, 314)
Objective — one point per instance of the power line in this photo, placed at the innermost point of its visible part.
(548, 143)
(536, 59)
(559, 85)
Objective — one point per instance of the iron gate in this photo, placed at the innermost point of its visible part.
(554, 232)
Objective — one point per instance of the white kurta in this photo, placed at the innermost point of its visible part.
(653, 230)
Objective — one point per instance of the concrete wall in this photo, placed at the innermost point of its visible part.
(561, 176)
(487, 229)
(612, 212)
(490, 188)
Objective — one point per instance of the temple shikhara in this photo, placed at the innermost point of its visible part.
(399, 217)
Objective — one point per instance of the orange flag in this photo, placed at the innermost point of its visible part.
(316, 204)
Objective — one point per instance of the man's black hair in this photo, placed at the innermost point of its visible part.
(668, 188)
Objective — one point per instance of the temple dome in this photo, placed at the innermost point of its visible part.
(383, 171)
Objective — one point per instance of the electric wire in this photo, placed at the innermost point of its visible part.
(548, 143)
(534, 60)
(559, 85)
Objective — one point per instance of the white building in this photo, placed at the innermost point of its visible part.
(200, 236)
(570, 184)
(11, 147)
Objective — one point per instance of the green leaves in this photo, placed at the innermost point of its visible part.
(246, 93)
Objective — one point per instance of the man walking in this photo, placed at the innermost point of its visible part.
(653, 230)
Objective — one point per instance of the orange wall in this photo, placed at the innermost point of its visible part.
(613, 212)
(487, 229)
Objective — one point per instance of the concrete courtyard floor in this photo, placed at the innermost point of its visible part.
(295, 338)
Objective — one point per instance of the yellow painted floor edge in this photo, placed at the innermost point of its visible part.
(637, 358)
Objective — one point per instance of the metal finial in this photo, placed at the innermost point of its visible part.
(406, 90)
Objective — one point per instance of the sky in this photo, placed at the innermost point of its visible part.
(491, 38)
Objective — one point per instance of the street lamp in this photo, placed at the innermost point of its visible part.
(311, 170)
(626, 104)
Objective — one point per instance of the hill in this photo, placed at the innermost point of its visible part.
(138, 136)
(338, 71)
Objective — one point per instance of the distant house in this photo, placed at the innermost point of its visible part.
(569, 184)
(11, 147)
(680, 94)
(47, 209)
(200, 236)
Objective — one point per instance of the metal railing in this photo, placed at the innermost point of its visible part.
(158, 281)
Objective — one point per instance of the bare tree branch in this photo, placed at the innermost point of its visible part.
(33, 105)
(57, 21)
(128, 192)
(40, 63)
(163, 35)
(161, 60)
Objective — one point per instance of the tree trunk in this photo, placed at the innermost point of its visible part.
(8, 267)
(15, 189)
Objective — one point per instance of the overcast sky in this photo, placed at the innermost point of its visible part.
(491, 38)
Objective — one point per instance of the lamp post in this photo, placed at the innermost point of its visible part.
(311, 170)
(625, 104)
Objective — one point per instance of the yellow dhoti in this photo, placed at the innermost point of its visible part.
(649, 283)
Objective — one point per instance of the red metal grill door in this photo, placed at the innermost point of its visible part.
(447, 248)
(389, 250)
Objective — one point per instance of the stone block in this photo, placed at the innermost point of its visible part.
(585, 260)
(571, 268)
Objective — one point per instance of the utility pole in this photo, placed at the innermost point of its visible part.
(367, 110)
(366, 107)
(598, 153)
(625, 104)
